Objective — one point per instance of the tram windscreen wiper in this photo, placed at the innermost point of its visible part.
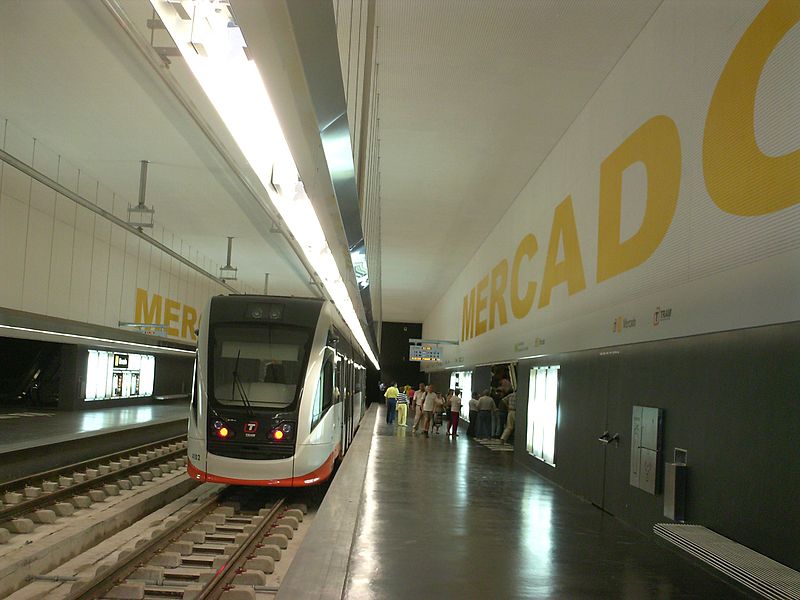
(237, 384)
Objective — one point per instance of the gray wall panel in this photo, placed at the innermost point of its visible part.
(731, 399)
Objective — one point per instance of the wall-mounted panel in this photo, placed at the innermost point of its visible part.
(645, 448)
(80, 275)
(60, 266)
(98, 279)
(13, 217)
(37, 260)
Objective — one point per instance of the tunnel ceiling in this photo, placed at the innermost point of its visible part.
(473, 96)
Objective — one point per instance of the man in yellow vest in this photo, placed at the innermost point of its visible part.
(391, 402)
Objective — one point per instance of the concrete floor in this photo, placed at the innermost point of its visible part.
(20, 429)
(444, 518)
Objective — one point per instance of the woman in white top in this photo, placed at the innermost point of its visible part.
(455, 412)
(427, 409)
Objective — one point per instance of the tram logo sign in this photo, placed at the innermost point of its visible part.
(250, 428)
(621, 323)
(660, 315)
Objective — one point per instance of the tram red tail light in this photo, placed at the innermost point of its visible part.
(223, 432)
(277, 434)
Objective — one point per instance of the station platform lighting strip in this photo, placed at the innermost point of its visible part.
(13, 331)
(214, 49)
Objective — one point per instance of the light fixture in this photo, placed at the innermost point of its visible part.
(30, 333)
(234, 86)
(228, 273)
(141, 215)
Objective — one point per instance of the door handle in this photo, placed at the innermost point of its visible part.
(607, 438)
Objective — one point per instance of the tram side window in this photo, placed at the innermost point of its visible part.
(341, 382)
(195, 398)
(323, 397)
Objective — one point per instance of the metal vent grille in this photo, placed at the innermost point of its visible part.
(755, 571)
(250, 451)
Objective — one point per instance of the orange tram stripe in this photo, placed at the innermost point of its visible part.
(316, 476)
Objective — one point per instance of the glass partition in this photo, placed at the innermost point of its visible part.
(112, 374)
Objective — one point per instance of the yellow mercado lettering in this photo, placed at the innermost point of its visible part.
(570, 270)
(147, 312)
(657, 144)
(171, 309)
(521, 306)
(480, 305)
(468, 317)
(497, 298)
(740, 178)
(188, 322)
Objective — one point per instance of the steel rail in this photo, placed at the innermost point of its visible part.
(13, 484)
(223, 577)
(25, 507)
(127, 565)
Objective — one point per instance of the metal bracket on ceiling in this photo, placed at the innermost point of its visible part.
(228, 273)
(141, 215)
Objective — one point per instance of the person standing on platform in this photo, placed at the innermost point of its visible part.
(402, 408)
(419, 398)
(391, 402)
(511, 402)
(504, 389)
(438, 412)
(455, 412)
(486, 407)
(428, 405)
(502, 415)
(473, 415)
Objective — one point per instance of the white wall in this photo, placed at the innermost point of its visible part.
(62, 260)
(713, 270)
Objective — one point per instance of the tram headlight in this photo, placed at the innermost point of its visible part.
(281, 432)
(221, 430)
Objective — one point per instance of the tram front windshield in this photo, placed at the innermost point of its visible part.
(259, 364)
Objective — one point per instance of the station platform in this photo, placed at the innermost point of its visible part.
(410, 516)
(37, 440)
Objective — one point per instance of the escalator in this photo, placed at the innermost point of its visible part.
(30, 373)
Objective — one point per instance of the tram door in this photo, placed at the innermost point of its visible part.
(347, 408)
(608, 444)
(350, 400)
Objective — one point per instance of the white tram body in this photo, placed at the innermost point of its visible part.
(278, 391)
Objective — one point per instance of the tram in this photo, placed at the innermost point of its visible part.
(278, 393)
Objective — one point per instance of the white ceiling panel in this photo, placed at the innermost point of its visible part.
(71, 79)
(474, 95)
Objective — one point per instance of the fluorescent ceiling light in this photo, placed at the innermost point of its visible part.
(89, 338)
(235, 88)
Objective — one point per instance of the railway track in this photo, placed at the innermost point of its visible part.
(212, 549)
(43, 497)
(203, 545)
